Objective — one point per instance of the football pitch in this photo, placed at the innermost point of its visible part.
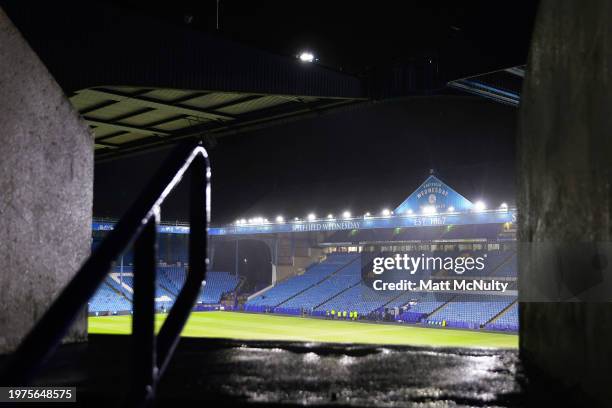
(246, 326)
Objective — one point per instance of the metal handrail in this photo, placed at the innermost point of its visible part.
(139, 225)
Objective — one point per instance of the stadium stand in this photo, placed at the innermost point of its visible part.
(115, 285)
(420, 304)
(339, 281)
(508, 268)
(336, 284)
(112, 298)
(174, 276)
(163, 298)
(506, 321)
(359, 298)
(107, 299)
(217, 285)
(470, 311)
(291, 287)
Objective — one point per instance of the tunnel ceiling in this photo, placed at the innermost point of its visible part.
(141, 83)
(130, 119)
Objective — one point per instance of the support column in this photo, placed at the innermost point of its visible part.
(46, 185)
(565, 201)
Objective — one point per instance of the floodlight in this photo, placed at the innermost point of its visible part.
(480, 206)
(330, 216)
(451, 209)
(386, 212)
(503, 206)
(312, 217)
(280, 219)
(306, 56)
(346, 214)
(409, 211)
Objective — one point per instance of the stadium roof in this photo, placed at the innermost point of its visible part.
(502, 85)
(142, 83)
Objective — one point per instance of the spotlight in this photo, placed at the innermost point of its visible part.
(312, 217)
(306, 56)
(409, 211)
(386, 212)
(330, 216)
(480, 206)
(366, 215)
(346, 214)
(451, 209)
(503, 206)
(280, 219)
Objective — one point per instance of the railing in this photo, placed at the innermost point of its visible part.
(151, 353)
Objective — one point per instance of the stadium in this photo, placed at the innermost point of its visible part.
(315, 268)
(287, 204)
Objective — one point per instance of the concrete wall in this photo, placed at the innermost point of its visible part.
(565, 204)
(46, 180)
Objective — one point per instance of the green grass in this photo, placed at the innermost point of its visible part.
(245, 326)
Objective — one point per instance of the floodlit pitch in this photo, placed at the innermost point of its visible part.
(246, 326)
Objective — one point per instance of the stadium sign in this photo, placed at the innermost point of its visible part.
(434, 194)
(326, 226)
(413, 221)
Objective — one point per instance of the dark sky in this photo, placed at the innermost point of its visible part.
(366, 158)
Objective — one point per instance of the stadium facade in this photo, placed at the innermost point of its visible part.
(323, 267)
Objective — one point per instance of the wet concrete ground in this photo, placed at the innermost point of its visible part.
(222, 373)
(358, 376)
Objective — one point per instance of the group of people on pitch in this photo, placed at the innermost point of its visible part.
(333, 314)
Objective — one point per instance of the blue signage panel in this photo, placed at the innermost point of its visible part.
(486, 217)
(436, 195)
(489, 217)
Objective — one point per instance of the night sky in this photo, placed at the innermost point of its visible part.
(366, 158)
(362, 160)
